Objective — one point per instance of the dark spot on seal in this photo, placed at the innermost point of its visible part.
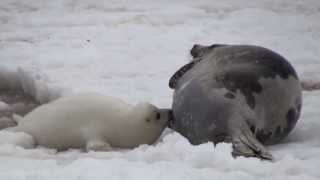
(278, 131)
(171, 119)
(219, 138)
(148, 120)
(229, 95)
(253, 129)
(279, 65)
(250, 100)
(216, 45)
(248, 84)
(263, 136)
(298, 105)
(158, 116)
(291, 118)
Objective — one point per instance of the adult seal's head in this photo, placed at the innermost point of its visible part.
(247, 95)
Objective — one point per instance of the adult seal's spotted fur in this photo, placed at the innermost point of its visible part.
(247, 95)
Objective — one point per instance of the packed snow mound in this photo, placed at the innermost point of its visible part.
(21, 91)
(30, 83)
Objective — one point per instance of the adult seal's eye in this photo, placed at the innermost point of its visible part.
(158, 116)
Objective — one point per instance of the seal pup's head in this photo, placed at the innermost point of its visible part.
(151, 120)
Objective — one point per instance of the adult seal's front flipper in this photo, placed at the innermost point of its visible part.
(244, 143)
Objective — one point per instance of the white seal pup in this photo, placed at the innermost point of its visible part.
(94, 122)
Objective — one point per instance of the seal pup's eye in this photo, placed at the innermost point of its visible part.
(158, 116)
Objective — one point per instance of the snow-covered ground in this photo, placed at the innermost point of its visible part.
(129, 49)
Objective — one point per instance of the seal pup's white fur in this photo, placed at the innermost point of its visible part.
(94, 122)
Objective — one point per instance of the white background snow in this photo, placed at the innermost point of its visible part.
(129, 49)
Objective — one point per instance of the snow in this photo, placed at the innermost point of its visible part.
(129, 49)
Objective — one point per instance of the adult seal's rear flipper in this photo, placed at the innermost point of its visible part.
(245, 144)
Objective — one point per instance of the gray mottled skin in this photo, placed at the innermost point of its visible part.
(246, 95)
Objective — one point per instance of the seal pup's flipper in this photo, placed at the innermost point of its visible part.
(97, 145)
(245, 144)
